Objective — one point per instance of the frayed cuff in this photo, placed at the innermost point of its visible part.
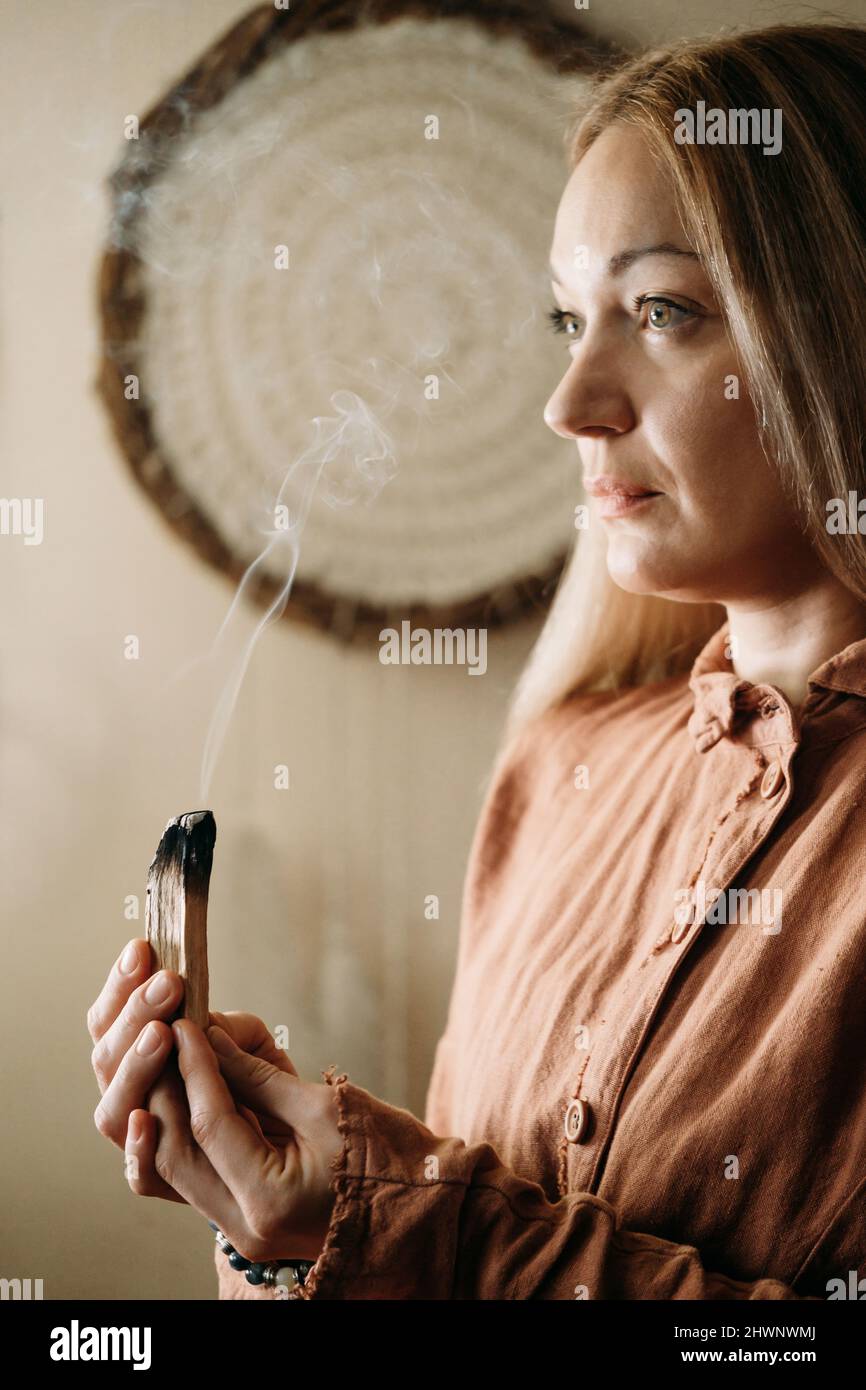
(341, 1251)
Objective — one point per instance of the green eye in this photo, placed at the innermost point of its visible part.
(660, 315)
(662, 312)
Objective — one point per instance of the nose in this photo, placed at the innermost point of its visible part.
(588, 403)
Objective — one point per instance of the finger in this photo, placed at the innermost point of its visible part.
(179, 1160)
(236, 1153)
(255, 1037)
(254, 1081)
(139, 1154)
(251, 1118)
(157, 998)
(139, 1070)
(129, 970)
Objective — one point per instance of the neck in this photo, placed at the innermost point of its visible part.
(783, 641)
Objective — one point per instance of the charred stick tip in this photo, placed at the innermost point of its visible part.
(186, 847)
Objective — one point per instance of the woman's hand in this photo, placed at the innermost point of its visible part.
(241, 1138)
(132, 1038)
(244, 1141)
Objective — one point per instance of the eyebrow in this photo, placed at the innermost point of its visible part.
(624, 259)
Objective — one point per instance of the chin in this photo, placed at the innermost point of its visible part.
(639, 574)
(631, 572)
(632, 583)
(642, 580)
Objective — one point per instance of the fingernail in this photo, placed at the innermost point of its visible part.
(179, 1035)
(129, 959)
(160, 989)
(134, 1133)
(149, 1041)
(221, 1042)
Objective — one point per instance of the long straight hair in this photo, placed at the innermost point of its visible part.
(783, 240)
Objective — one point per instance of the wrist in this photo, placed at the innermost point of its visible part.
(267, 1274)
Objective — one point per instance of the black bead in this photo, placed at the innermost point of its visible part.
(254, 1275)
(238, 1262)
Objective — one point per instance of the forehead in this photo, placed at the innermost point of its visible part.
(618, 196)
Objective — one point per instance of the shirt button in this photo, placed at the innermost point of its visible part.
(576, 1121)
(771, 780)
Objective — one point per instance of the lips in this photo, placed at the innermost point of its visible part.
(618, 496)
(608, 486)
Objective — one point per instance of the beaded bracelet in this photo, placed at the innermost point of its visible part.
(285, 1274)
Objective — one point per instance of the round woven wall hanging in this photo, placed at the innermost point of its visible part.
(323, 309)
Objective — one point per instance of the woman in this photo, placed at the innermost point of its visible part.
(653, 1052)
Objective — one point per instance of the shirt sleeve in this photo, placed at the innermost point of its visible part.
(420, 1216)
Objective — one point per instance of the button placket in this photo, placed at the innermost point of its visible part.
(641, 992)
(772, 782)
(744, 825)
(578, 1112)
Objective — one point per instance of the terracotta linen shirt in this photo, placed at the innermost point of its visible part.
(651, 1084)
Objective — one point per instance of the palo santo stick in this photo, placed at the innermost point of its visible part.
(176, 911)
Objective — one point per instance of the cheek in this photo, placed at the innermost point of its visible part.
(709, 449)
(726, 518)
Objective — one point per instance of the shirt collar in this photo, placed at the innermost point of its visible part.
(721, 696)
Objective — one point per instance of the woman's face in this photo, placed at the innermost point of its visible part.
(655, 397)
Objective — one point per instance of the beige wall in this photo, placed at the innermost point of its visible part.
(96, 753)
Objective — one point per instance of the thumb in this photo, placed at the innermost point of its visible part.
(264, 1087)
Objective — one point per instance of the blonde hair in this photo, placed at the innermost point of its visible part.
(783, 240)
